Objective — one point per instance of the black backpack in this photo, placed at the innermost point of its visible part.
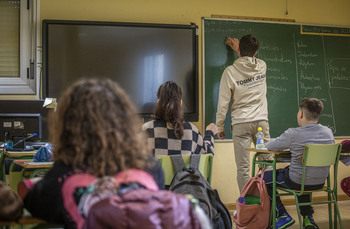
(191, 181)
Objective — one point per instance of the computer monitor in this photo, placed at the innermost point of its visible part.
(20, 119)
(19, 128)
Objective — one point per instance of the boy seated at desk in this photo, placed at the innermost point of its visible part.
(295, 139)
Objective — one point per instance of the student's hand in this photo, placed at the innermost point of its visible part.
(221, 135)
(213, 128)
(234, 44)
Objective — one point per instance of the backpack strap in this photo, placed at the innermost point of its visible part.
(69, 187)
(178, 162)
(135, 175)
(195, 158)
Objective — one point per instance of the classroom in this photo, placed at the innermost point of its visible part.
(321, 12)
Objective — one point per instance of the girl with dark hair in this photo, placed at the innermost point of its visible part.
(168, 133)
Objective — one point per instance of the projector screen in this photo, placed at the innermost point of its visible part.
(140, 57)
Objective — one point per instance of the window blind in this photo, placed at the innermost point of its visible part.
(9, 38)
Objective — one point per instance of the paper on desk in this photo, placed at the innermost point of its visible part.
(263, 148)
(40, 163)
(50, 103)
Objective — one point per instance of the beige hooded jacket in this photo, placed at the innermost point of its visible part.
(243, 85)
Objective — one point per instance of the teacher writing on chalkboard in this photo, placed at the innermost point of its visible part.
(243, 85)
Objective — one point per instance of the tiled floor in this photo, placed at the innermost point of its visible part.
(321, 215)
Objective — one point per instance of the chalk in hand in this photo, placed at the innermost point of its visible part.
(228, 41)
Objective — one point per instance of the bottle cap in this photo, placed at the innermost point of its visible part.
(259, 128)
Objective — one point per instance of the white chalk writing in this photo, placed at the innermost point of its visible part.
(310, 77)
(276, 88)
(306, 54)
(274, 77)
(305, 63)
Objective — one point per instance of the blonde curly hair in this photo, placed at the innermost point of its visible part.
(95, 129)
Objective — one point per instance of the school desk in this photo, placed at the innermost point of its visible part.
(30, 164)
(13, 155)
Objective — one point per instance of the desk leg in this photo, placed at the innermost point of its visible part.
(253, 165)
(12, 167)
(274, 193)
(36, 171)
(3, 171)
(334, 207)
(14, 177)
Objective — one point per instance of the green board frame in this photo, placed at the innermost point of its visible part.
(302, 61)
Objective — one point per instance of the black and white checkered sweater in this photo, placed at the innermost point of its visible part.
(162, 140)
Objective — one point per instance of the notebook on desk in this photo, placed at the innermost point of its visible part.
(40, 163)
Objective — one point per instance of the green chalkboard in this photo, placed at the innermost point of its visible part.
(302, 61)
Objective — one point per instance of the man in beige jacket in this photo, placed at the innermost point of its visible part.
(243, 85)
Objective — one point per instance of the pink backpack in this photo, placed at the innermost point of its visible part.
(143, 208)
(254, 213)
(96, 189)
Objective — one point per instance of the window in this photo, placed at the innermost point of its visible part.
(19, 27)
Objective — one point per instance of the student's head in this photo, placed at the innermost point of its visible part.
(310, 110)
(11, 205)
(95, 129)
(248, 45)
(169, 106)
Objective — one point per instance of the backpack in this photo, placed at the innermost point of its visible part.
(191, 181)
(253, 205)
(345, 145)
(345, 185)
(130, 199)
(81, 191)
(143, 208)
(43, 154)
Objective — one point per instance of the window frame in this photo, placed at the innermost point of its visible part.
(30, 68)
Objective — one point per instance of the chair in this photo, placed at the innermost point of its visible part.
(29, 170)
(205, 166)
(318, 156)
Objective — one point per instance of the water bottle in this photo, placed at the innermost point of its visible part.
(260, 139)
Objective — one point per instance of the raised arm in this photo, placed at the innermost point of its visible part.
(234, 44)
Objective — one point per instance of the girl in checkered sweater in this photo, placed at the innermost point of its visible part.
(169, 134)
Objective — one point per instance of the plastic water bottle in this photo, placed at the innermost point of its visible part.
(260, 139)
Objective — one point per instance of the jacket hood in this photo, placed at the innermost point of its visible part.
(250, 66)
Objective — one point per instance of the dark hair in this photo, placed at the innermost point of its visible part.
(312, 108)
(248, 45)
(95, 129)
(169, 107)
